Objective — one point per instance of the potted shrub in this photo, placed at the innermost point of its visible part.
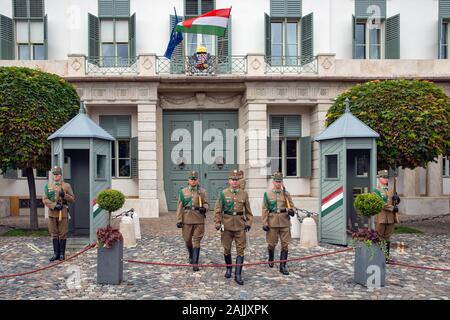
(110, 241)
(370, 248)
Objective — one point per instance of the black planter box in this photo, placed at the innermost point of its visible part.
(370, 264)
(110, 264)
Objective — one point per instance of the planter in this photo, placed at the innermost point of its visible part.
(370, 265)
(110, 264)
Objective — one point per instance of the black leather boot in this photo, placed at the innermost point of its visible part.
(62, 249)
(191, 252)
(238, 270)
(271, 255)
(55, 250)
(283, 268)
(195, 257)
(388, 251)
(229, 269)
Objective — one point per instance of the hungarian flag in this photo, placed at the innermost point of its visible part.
(214, 22)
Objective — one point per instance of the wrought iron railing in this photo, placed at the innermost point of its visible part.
(108, 65)
(212, 65)
(282, 65)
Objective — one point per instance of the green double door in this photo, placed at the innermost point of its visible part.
(198, 141)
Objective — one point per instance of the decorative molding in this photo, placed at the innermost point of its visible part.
(199, 100)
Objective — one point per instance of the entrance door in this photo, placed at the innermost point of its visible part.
(78, 177)
(358, 181)
(198, 141)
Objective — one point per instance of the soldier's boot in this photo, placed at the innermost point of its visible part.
(238, 270)
(195, 257)
(271, 256)
(388, 251)
(191, 253)
(229, 269)
(283, 268)
(55, 250)
(62, 249)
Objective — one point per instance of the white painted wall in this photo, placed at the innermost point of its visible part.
(68, 25)
(19, 187)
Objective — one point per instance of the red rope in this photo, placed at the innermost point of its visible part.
(416, 267)
(49, 266)
(234, 265)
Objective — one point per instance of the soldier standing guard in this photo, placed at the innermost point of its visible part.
(233, 216)
(388, 217)
(191, 215)
(276, 208)
(56, 197)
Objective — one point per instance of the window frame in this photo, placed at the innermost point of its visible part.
(367, 43)
(326, 178)
(116, 60)
(31, 56)
(284, 44)
(117, 168)
(21, 176)
(103, 178)
(446, 167)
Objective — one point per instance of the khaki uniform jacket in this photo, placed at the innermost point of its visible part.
(185, 213)
(241, 204)
(51, 197)
(242, 184)
(277, 201)
(387, 215)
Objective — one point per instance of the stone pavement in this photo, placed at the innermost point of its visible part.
(328, 277)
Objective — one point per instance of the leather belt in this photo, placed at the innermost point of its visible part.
(240, 213)
(282, 210)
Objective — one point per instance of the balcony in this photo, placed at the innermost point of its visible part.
(212, 65)
(111, 65)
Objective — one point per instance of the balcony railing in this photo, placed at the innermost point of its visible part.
(283, 65)
(111, 65)
(212, 65)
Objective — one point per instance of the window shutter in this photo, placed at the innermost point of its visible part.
(10, 174)
(305, 157)
(294, 8)
(6, 38)
(122, 126)
(122, 8)
(267, 34)
(444, 13)
(393, 37)
(36, 8)
(361, 7)
(132, 35)
(353, 37)
(105, 8)
(177, 61)
(293, 126)
(444, 8)
(278, 8)
(94, 36)
(134, 157)
(191, 8)
(20, 9)
(207, 5)
(224, 50)
(307, 49)
(45, 38)
(107, 123)
(277, 123)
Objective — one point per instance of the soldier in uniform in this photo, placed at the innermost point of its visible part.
(388, 217)
(233, 216)
(241, 180)
(191, 215)
(277, 208)
(56, 197)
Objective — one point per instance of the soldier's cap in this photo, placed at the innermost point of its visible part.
(193, 175)
(277, 176)
(383, 174)
(56, 170)
(234, 174)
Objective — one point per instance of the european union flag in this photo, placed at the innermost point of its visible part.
(175, 39)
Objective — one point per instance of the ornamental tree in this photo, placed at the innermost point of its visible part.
(411, 116)
(33, 105)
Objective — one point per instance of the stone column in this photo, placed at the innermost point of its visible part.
(148, 196)
(434, 178)
(255, 122)
(411, 183)
(318, 116)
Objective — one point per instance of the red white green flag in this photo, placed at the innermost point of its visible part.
(214, 22)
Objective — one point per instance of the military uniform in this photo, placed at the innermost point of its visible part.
(191, 214)
(234, 215)
(241, 180)
(275, 217)
(57, 196)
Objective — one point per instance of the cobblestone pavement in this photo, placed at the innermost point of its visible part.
(328, 277)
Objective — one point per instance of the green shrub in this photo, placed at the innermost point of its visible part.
(368, 204)
(110, 200)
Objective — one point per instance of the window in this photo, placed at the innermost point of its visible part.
(446, 166)
(100, 167)
(194, 8)
(444, 40)
(331, 165)
(362, 165)
(284, 42)
(114, 42)
(367, 41)
(285, 153)
(39, 174)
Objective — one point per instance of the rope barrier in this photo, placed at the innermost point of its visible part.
(220, 265)
(49, 266)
